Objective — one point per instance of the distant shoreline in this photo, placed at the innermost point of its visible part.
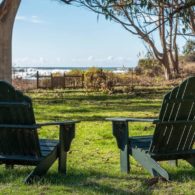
(72, 68)
(30, 72)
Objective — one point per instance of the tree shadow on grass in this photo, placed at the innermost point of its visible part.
(96, 97)
(183, 175)
(93, 181)
(96, 113)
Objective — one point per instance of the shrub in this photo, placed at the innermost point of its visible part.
(95, 78)
(150, 67)
(75, 72)
(190, 57)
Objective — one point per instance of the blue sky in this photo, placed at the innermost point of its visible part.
(48, 33)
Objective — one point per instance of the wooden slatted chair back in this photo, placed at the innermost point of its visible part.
(16, 109)
(176, 132)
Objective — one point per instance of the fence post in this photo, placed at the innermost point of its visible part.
(132, 80)
(51, 81)
(37, 79)
(64, 80)
(83, 80)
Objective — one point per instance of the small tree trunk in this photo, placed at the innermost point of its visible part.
(167, 70)
(175, 62)
(8, 10)
(5, 53)
(176, 69)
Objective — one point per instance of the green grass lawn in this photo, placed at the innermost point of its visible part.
(93, 161)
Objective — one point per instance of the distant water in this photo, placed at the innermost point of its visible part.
(30, 72)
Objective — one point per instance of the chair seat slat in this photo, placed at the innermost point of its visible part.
(8, 104)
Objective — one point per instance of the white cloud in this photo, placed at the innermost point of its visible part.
(109, 58)
(20, 60)
(81, 61)
(90, 58)
(120, 58)
(22, 18)
(35, 19)
(31, 19)
(29, 61)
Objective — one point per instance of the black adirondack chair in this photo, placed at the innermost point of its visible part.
(19, 142)
(173, 137)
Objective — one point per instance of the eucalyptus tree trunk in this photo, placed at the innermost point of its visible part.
(167, 72)
(8, 10)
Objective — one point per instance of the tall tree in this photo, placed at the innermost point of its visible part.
(8, 10)
(188, 19)
(149, 20)
(186, 12)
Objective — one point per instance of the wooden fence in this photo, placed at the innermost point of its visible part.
(59, 81)
(66, 81)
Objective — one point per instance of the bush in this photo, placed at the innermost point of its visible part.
(149, 67)
(190, 57)
(95, 78)
(75, 72)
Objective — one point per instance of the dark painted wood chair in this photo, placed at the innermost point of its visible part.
(173, 137)
(19, 141)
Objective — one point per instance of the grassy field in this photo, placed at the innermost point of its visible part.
(93, 162)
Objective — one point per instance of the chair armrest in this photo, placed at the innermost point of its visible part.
(182, 122)
(66, 133)
(57, 123)
(16, 126)
(133, 120)
(36, 126)
(120, 130)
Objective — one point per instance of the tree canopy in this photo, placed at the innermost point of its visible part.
(189, 47)
(144, 18)
(8, 11)
(154, 21)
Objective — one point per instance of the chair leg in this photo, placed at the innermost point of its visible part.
(120, 132)
(173, 162)
(67, 133)
(149, 163)
(62, 161)
(42, 168)
(124, 161)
